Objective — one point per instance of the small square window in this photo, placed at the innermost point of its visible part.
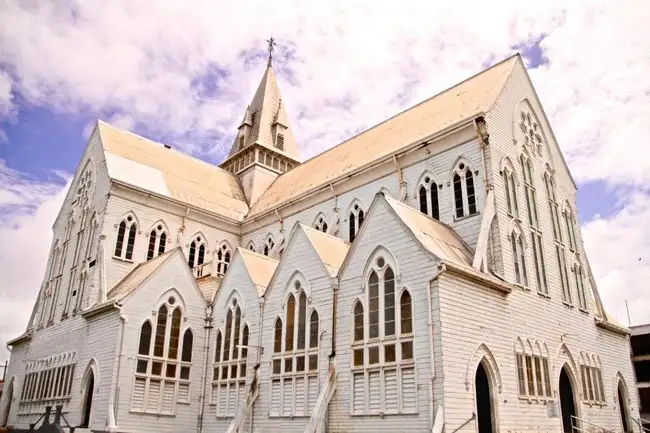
(142, 366)
(171, 370)
(185, 373)
(373, 355)
(277, 364)
(313, 362)
(358, 357)
(288, 365)
(389, 353)
(156, 368)
(407, 350)
(300, 363)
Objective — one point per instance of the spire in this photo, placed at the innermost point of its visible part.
(265, 121)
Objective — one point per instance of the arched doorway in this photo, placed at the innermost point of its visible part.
(88, 401)
(567, 400)
(484, 408)
(622, 407)
(4, 411)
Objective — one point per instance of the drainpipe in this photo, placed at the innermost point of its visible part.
(335, 293)
(441, 269)
(113, 398)
(181, 229)
(206, 349)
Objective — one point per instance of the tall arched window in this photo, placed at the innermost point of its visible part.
(229, 368)
(519, 258)
(196, 253)
(163, 364)
(320, 223)
(510, 188)
(355, 219)
(464, 191)
(157, 241)
(125, 241)
(223, 259)
(251, 246)
(269, 245)
(580, 287)
(428, 197)
(560, 251)
(295, 356)
(382, 353)
(570, 224)
(532, 365)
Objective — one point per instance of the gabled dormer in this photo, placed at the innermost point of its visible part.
(264, 146)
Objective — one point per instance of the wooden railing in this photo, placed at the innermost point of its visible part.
(202, 270)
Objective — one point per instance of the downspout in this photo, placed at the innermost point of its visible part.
(206, 348)
(484, 138)
(439, 271)
(181, 229)
(114, 396)
(335, 293)
(335, 223)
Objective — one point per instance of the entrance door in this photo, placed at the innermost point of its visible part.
(567, 402)
(484, 410)
(88, 401)
(4, 411)
(622, 407)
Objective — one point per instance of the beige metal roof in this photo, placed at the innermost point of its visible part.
(435, 236)
(260, 268)
(468, 98)
(146, 164)
(137, 276)
(209, 286)
(330, 249)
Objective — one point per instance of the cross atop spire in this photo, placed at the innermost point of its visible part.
(271, 48)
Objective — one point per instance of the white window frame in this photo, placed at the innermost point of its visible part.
(157, 231)
(123, 239)
(47, 381)
(356, 215)
(427, 184)
(269, 246)
(533, 369)
(591, 376)
(511, 191)
(518, 248)
(320, 223)
(461, 170)
(580, 286)
(194, 259)
(224, 256)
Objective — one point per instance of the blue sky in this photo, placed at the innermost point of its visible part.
(183, 74)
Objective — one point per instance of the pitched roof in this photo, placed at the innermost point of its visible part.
(330, 249)
(151, 166)
(268, 109)
(137, 276)
(209, 286)
(438, 238)
(461, 102)
(260, 268)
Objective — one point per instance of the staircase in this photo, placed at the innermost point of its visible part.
(245, 408)
(320, 409)
(579, 425)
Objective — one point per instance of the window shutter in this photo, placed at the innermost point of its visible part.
(287, 396)
(137, 398)
(279, 143)
(390, 377)
(299, 396)
(374, 392)
(359, 393)
(153, 398)
(168, 397)
(409, 390)
(313, 392)
(275, 397)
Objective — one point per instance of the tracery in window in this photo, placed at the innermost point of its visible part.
(464, 190)
(533, 374)
(251, 246)
(591, 375)
(580, 286)
(570, 225)
(47, 381)
(223, 259)
(355, 219)
(519, 257)
(560, 252)
(531, 131)
(269, 245)
(382, 347)
(162, 371)
(428, 197)
(510, 189)
(229, 368)
(294, 363)
(320, 223)
(157, 241)
(196, 253)
(125, 241)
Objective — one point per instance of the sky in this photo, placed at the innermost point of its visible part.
(183, 72)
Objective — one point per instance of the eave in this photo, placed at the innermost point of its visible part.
(470, 274)
(611, 327)
(101, 309)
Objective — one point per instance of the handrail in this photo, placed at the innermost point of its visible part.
(244, 409)
(466, 422)
(202, 270)
(640, 423)
(575, 426)
(322, 403)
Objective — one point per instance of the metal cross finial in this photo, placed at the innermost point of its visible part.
(271, 47)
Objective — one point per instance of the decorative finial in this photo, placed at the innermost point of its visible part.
(271, 47)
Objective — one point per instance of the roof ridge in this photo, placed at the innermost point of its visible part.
(255, 254)
(331, 236)
(169, 147)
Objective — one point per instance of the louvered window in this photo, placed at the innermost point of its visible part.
(125, 241)
(533, 374)
(294, 364)
(279, 141)
(592, 384)
(230, 363)
(163, 363)
(47, 381)
(383, 367)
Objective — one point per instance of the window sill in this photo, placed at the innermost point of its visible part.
(156, 414)
(522, 287)
(382, 414)
(464, 217)
(583, 310)
(120, 259)
(531, 400)
(544, 295)
(566, 304)
(277, 415)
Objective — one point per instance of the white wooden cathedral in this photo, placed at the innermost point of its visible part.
(426, 275)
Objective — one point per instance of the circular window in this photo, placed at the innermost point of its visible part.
(356, 207)
(426, 179)
(223, 247)
(159, 227)
(129, 218)
(380, 262)
(297, 285)
(171, 300)
(198, 238)
(234, 302)
(461, 166)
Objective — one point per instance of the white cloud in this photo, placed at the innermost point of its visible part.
(6, 94)
(27, 211)
(342, 66)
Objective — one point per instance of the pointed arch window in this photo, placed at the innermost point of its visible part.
(269, 245)
(382, 347)
(464, 191)
(197, 251)
(592, 380)
(90, 243)
(570, 224)
(560, 251)
(519, 258)
(163, 363)
(294, 364)
(355, 219)
(125, 241)
(321, 223)
(580, 287)
(512, 202)
(157, 241)
(223, 259)
(533, 374)
(428, 197)
(229, 367)
(529, 190)
(251, 246)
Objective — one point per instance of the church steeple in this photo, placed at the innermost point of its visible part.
(264, 138)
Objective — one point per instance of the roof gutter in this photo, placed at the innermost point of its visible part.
(101, 309)
(478, 277)
(469, 121)
(609, 326)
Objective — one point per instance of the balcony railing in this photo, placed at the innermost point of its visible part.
(202, 270)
